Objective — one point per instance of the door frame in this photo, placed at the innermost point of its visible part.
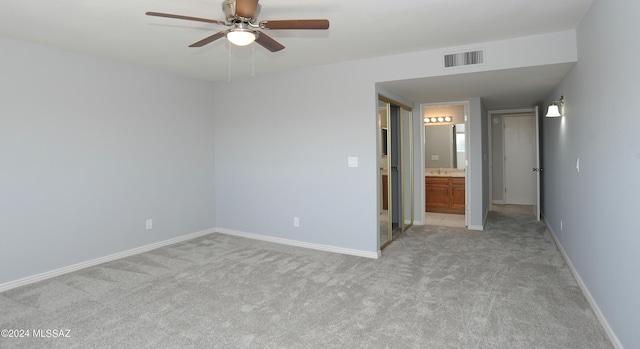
(421, 205)
(535, 112)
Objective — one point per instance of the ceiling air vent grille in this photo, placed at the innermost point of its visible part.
(464, 58)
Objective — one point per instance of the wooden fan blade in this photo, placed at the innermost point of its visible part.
(246, 8)
(296, 24)
(169, 15)
(267, 42)
(208, 39)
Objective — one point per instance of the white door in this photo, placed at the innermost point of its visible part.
(519, 160)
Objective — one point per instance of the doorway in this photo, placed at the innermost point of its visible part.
(445, 163)
(514, 158)
(395, 154)
(519, 159)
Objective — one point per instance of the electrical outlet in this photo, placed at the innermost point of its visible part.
(149, 224)
(296, 222)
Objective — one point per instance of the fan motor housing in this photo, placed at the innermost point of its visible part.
(229, 9)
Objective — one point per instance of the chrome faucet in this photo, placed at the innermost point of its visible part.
(439, 170)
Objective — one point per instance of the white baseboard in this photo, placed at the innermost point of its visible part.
(475, 227)
(68, 269)
(499, 202)
(326, 248)
(592, 302)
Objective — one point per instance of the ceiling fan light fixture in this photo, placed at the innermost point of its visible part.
(241, 37)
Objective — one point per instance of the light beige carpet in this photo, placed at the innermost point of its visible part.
(435, 287)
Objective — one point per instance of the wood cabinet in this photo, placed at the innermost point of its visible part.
(457, 193)
(445, 194)
(437, 193)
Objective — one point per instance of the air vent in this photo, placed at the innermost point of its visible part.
(463, 58)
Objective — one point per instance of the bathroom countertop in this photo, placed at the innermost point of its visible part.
(445, 172)
(434, 172)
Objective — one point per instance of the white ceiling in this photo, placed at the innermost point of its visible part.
(119, 30)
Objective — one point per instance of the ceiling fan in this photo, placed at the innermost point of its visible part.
(241, 16)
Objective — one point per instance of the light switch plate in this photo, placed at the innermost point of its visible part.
(352, 161)
(435, 157)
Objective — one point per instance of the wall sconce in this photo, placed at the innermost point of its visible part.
(555, 109)
(437, 119)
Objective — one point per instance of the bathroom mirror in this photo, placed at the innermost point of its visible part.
(445, 138)
(444, 146)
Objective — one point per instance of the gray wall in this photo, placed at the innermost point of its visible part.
(477, 175)
(89, 149)
(598, 206)
(284, 155)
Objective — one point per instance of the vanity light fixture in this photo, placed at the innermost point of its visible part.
(435, 119)
(555, 109)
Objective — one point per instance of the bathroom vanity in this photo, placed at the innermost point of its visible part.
(445, 190)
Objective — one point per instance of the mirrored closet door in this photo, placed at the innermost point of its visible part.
(395, 154)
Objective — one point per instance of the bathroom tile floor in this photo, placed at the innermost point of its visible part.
(444, 219)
